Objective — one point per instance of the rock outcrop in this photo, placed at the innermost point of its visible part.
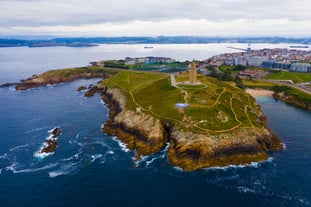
(38, 80)
(51, 143)
(291, 99)
(192, 151)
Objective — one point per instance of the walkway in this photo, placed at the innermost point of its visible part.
(173, 80)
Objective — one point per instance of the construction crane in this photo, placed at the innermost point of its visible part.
(247, 50)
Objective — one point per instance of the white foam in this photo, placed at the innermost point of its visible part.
(13, 168)
(140, 160)
(284, 145)
(20, 146)
(149, 162)
(4, 156)
(75, 156)
(34, 130)
(95, 157)
(55, 174)
(64, 170)
(42, 155)
(0, 171)
(252, 164)
(110, 152)
(121, 144)
(243, 189)
(178, 169)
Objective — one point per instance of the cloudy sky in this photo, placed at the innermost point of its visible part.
(156, 17)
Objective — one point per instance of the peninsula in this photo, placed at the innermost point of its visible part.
(207, 122)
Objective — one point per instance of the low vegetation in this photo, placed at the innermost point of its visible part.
(294, 76)
(74, 71)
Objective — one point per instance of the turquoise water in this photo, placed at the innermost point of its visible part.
(90, 168)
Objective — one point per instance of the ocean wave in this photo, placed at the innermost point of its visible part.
(14, 168)
(75, 156)
(284, 145)
(121, 144)
(151, 161)
(243, 189)
(35, 130)
(64, 170)
(41, 155)
(18, 147)
(0, 171)
(4, 156)
(252, 164)
(95, 157)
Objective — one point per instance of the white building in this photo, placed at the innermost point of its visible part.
(300, 67)
(255, 61)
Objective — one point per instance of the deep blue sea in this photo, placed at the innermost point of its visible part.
(90, 168)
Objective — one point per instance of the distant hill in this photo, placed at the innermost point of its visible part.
(16, 41)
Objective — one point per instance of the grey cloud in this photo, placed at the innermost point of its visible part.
(79, 12)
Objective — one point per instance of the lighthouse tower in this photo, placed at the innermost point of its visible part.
(192, 73)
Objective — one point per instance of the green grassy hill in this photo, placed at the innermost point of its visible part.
(214, 106)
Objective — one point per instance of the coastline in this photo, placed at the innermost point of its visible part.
(259, 92)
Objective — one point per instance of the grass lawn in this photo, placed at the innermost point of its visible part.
(258, 84)
(294, 76)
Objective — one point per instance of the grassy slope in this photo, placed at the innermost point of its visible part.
(258, 84)
(73, 71)
(215, 108)
(295, 77)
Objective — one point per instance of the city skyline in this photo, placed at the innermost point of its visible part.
(153, 18)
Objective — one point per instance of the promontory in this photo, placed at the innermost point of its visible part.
(207, 122)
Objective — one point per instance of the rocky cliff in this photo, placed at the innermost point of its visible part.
(141, 132)
(291, 99)
(192, 151)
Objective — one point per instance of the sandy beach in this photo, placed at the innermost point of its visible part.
(259, 92)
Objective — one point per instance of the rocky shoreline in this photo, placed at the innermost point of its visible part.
(190, 151)
(290, 99)
(39, 80)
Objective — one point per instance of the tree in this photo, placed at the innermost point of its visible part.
(239, 68)
(238, 82)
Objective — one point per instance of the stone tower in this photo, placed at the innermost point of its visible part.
(193, 73)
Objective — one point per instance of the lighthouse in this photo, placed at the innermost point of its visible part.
(192, 73)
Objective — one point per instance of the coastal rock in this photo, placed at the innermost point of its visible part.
(51, 142)
(81, 88)
(192, 151)
(141, 132)
(94, 89)
(41, 80)
(290, 99)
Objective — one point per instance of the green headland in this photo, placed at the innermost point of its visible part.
(217, 125)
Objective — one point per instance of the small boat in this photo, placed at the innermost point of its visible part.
(148, 47)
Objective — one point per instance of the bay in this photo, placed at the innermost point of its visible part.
(90, 168)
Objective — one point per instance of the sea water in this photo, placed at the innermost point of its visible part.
(90, 168)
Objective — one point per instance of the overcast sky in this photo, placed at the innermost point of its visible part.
(156, 17)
